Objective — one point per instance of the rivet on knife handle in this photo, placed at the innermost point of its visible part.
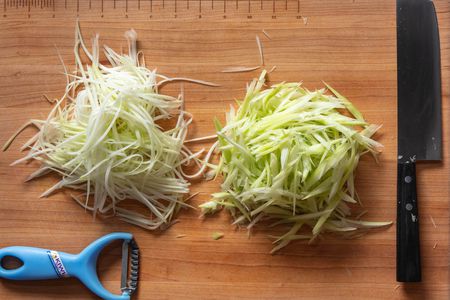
(408, 245)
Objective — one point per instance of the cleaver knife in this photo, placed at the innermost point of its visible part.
(419, 121)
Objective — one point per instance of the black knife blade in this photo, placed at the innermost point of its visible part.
(419, 121)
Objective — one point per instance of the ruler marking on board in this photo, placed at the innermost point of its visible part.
(159, 9)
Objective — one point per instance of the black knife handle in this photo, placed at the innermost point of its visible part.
(408, 245)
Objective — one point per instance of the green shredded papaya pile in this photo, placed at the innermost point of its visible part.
(289, 155)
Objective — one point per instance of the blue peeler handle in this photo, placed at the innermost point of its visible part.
(48, 264)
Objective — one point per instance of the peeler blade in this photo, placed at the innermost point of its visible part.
(130, 266)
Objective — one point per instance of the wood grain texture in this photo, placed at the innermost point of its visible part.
(349, 44)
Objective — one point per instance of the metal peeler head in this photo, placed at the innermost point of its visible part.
(130, 266)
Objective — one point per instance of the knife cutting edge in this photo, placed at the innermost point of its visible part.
(419, 121)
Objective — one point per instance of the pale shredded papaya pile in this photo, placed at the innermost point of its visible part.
(105, 139)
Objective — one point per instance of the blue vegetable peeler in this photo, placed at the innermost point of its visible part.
(39, 264)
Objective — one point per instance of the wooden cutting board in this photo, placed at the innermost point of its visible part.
(350, 44)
